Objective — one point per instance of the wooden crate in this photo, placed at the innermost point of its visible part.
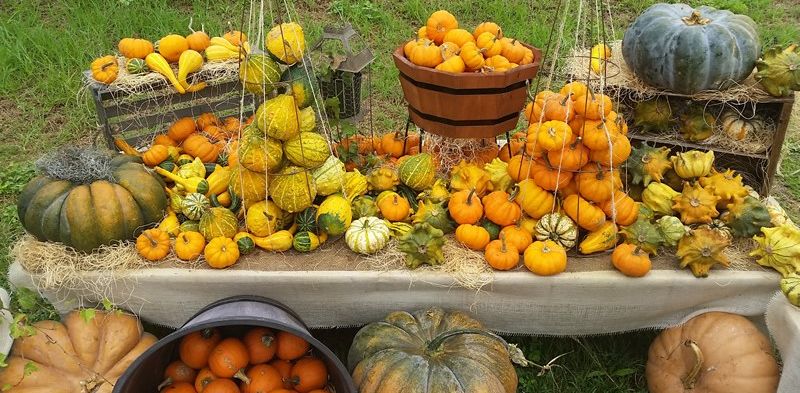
(136, 118)
(757, 169)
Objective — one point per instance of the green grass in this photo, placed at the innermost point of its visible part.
(45, 45)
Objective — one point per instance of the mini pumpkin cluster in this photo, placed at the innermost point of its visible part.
(258, 361)
(442, 45)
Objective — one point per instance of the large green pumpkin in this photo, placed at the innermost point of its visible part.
(301, 86)
(430, 351)
(258, 72)
(88, 213)
(686, 50)
(293, 189)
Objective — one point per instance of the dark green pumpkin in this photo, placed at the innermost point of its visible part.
(746, 217)
(306, 220)
(245, 245)
(686, 50)
(492, 228)
(410, 195)
(301, 85)
(430, 351)
(86, 216)
(168, 165)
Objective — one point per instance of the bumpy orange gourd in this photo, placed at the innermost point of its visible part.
(181, 129)
(545, 258)
(500, 255)
(696, 204)
(474, 237)
(500, 208)
(153, 244)
(439, 23)
(630, 260)
(465, 207)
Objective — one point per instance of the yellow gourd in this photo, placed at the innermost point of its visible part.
(189, 62)
(192, 184)
(602, 239)
(170, 223)
(219, 180)
(278, 241)
(220, 49)
(159, 64)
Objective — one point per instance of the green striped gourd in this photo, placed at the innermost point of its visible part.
(278, 117)
(306, 220)
(305, 241)
(190, 226)
(194, 205)
(307, 149)
(334, 215)
(417, 171)
(298, 79)
(329, 177)
(292, 189)
(258, 72)
(218, 221)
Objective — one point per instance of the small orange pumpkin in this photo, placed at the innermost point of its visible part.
(207, 119)
(596, 183)
(465, 207)
(500, 208)
(593, 106)
(545, 258)
(458, 37)
(587, 215)
(235, 37)
(221, 252)
(500, 255)
(474, 237)
(439, 23)
(189, 245)
(630, 260)
(574, 89)
(627, 210)
(489, 44)
(155, 155)
(553, 135)
(571, 158)
(172, 46)
(198, 40)
(135, 48)
(619, 151)
(549, 178)
(490, 27)
(153, 244)
(199, 146)
(517, 237)
(163, 139)
(393, 207)
(181, 129)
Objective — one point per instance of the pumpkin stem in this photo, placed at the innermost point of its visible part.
(691, 378)
(514, 353)
(695, 19)
(242, 377)
(514, 192)
(503, 248)
(469, 197)
(268, 339)
(164, 384)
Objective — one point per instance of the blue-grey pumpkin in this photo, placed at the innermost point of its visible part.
(686, 50)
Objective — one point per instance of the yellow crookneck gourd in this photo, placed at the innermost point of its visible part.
(220, 49)
(190, 185)
(189, 62)
(159, 64)
(279, 241)
(219, 180)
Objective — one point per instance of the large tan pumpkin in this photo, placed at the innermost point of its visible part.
(430, 351)
(715, 352)
(76, 356)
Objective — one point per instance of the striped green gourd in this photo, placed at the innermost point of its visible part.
(218, 221)
(305, 241)
(417, 171)
(194, 205)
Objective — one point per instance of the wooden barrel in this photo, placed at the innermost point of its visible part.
(465, 105)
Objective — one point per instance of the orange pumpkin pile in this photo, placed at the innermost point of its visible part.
(575, 144)
(260, 361)
(442, 45)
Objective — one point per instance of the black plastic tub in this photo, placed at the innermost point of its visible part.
(232, 316)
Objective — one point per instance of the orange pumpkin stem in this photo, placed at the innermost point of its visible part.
(242, 377)
(469, 197)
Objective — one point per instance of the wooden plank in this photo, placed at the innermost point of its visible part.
(777, 144)
(168, 117)
(162, 101)
(654, 139)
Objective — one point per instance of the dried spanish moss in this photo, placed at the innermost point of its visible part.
(77, 164)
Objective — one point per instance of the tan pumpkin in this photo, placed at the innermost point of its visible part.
(713, 352)
(86, 352)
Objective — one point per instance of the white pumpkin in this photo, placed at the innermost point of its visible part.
(367, 235)
(329, 177)
(558, 228)
(737, 127)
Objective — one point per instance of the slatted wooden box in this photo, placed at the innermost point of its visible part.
(137, 117)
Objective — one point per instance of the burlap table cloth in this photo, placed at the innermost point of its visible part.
(783, 322)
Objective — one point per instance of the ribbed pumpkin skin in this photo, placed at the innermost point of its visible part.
(307, 149)
(392, 356)
(306, 220)
(329, 177)
(90, 215)
(259, 153)
(279, 117)
(293, 189)
(218, 221)
(667, 53)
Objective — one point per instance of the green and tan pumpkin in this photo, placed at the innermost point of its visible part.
(307, 149)
(87, 213)
(745, 217)
(258, 72)
(644, 234)
(367, 235)
(218, 222)
(558, 228)
(739, 128)
(431, 351)
(293, 189)
(305, 241)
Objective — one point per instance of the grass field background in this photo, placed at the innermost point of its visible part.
(44, 46)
